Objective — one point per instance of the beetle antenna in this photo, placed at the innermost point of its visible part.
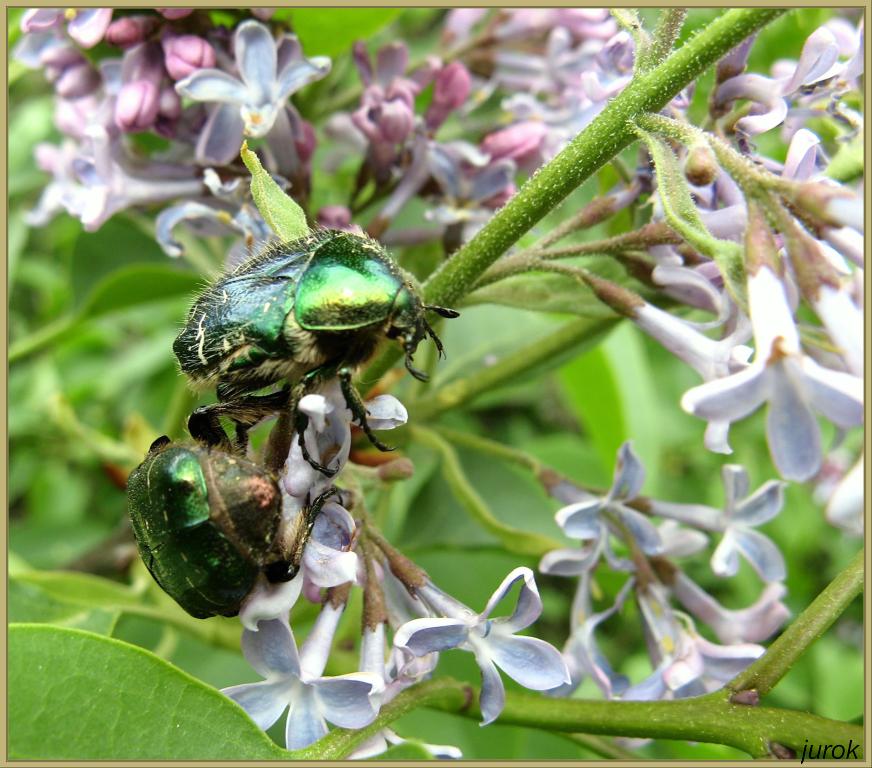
(442, 311)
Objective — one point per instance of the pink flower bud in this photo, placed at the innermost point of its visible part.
(701, 168)
(305, 141)
(175, 13)
(452, 86)
(137, 106)
(395, 121)
(169, 103)
(130, 30)
(334, 217)
(185, 54)
(77, 81)
(519, 142)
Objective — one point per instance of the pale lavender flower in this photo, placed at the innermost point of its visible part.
(59, 161)
(845, 507)
(251, 104)
(529, 661)
(295, 681)
(742, 513)
(109, 183)
(791, 382)
(685, 664)
(88, 25)
(754, 624)
(587, 519)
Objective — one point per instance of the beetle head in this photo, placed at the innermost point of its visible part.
(409, 324)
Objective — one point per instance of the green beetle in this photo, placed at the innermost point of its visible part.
(303, 312)
(208, 522)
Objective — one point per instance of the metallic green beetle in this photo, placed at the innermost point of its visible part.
(208, 522)
(302, 311)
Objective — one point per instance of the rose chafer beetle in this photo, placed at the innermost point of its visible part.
(301, 312)
(208, 522)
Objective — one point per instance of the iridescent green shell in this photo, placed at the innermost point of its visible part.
(205, 523)
(266, 320)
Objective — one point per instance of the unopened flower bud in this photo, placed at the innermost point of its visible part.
(175, 13)
(130, 30)
(77, 81)
(701, 167)
(185, 54)
(137, 106)
(452, 85)
(305, 141)
(334, 217)
(398, 469)
(833, 205)
(169, 103)
(623, 301)
(519, 142)
(396, 121)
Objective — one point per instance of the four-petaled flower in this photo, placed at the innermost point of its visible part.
(295, 681)
(529, 661)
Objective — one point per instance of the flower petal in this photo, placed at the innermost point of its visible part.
(386, 412)
(761, 553)
(730, 398)
(581, 520)
(349, 701)
(271, 650)
(220, 137)
(725, 558)
(305, 723)
(212, 85)
(837, 395)
(300, 73)
(569, 562)
(255, 52)
(629, 474)
(532, 662)
(422, 636)
(493, 693)
(264, 702)
(762, 507)
(641, 528)
(529, 604)
(724, 662)
(791, 429)
(269, 601)
(736, 486)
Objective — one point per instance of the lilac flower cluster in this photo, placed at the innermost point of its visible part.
(426, 621)
(684, 663)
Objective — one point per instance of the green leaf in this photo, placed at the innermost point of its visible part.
(847, 164)
(279, 211)
(123, 289)
(82, 589)
(408, 750)
(609, 390)
(332, 32)
(75, 695)
(542, 293)
(27, 603)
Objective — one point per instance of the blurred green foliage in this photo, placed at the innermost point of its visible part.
(91, 319)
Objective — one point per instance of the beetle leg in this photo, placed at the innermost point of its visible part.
(285, 570)
(205, 427)
(301, 421)
(358, 409)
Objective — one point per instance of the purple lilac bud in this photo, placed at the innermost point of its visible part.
(521, 142)
(335, 217)
(130, 30)
(76, 81)
(185, 54)
(264, 14)
(450, 91)
(137, 106)
(175, 13)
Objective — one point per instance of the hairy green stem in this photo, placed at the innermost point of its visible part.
(571, 337)
(668, 28)
(609, 133)
(764, 673)
(710, 718)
